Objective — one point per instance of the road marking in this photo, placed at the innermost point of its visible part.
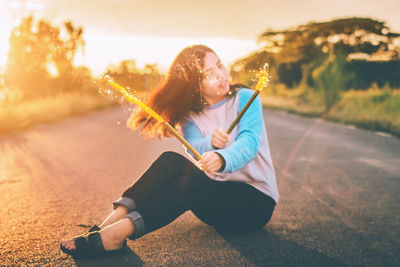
(351, 127)
(383, 134)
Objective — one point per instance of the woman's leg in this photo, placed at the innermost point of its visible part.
(163, 171)
(157, 177)
(154, 210)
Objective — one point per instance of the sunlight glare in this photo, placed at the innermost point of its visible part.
(22, 5)
(52, 69)
(153, 49)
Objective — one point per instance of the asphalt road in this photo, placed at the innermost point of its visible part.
(339, 206)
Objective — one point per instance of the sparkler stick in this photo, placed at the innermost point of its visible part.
(262, 82)
(152, 113)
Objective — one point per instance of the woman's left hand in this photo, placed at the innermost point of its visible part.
(211, 162)
(219, 138)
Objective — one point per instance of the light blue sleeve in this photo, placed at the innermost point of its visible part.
(245, 147)
(193, 135)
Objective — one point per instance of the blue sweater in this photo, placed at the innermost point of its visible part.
(247, 156)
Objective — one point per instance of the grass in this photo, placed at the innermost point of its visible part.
(22, 114)
(377, 110)
(294, 100)
(374, 109)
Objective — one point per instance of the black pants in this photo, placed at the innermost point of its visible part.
(173, 185)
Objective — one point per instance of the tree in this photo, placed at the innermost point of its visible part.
(40, 60)
(297, 52)
(128, 74)
(330, 79)
(343, 36)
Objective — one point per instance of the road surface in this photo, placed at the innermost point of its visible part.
(339, 206)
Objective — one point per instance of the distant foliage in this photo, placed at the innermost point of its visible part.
(40, 59)
(367, 45)
(129, 75)
(330, 78)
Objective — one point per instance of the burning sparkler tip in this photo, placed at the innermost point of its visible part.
(263, 77)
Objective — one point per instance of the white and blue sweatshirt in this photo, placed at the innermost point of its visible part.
(247, 156)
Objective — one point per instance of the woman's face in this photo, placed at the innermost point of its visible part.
(215, 79)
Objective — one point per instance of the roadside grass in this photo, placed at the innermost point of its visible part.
(373, 109)
(297, 100)
(16, 115)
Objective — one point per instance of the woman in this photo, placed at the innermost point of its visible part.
(233, 186)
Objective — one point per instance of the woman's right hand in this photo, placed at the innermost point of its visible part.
(219, 138)
(211, 162)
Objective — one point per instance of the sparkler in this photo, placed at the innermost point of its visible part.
(152, 113)
(262, 82)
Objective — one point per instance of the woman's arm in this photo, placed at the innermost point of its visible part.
(246, 144)
(212, 160)
(193, 135)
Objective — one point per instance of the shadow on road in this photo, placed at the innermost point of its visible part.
(129, 258)
(265, 248)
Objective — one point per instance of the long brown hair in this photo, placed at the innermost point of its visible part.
(177, 96)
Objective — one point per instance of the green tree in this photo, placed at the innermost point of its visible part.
(330, 79)
(297, 52)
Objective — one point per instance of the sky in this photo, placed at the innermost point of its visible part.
(154, 31)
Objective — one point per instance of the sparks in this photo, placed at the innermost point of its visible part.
(263, 77)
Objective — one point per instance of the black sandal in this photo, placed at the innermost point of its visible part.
(81, 247)
(92, 246)
(94, 228)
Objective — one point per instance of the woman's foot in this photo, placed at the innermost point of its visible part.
(107, 238)
(113, 236)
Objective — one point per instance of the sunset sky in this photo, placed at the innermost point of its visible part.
(154, 31)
